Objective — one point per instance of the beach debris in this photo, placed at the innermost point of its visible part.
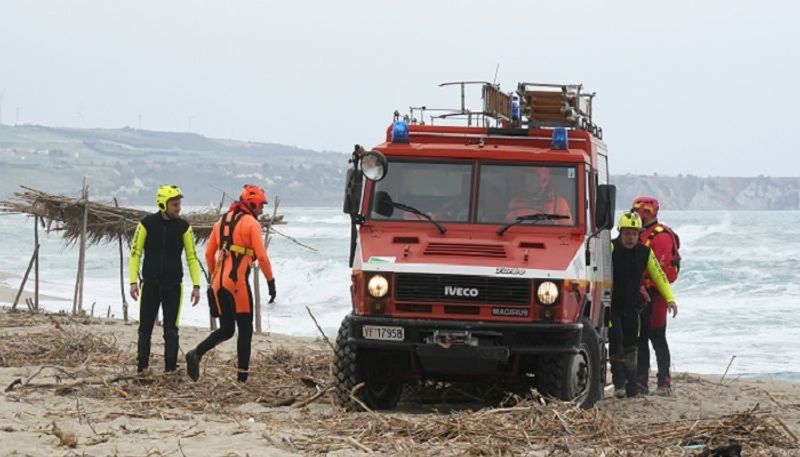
(435, 419)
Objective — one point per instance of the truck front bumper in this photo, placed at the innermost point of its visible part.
(526, 339)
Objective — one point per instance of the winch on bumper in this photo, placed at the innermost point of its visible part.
(463, 347)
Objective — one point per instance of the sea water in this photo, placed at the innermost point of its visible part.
(738, 292)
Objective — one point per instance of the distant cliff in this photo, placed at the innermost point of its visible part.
(695, 193)
(129, 164)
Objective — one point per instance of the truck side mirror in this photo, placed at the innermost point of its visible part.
(384, 204)
(604, 207)
(352, 191)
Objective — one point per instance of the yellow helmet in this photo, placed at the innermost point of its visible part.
(165, 193)
(629, 219)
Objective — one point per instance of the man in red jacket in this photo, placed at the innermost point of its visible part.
(664, 243)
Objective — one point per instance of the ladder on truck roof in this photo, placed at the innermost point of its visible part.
(540, 105)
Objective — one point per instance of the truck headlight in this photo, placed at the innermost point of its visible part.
(378, 286)
(547, 292)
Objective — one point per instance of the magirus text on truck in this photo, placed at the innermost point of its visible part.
(480, 249)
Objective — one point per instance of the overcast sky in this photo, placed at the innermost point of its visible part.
(701, 87)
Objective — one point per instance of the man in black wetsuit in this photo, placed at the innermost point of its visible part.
(161, 237)
(630, 261)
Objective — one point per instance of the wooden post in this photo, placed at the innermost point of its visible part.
(25, 278)
(257, 293)
(212, 321)
(267, 238)
(36, 264)
(122, 273)
(77, 304)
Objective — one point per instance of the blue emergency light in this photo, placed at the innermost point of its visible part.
(559, 138)
(400, 132)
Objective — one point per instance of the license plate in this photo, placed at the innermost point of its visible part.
(379, 332)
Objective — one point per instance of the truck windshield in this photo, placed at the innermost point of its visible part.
(441, 190)
(508, 192)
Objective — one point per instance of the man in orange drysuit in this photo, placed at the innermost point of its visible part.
(235, 242)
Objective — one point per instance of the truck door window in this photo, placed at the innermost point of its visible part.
(442, 190)
(510, 191)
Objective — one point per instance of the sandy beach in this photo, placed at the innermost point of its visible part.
(8, 294)
(70, 389)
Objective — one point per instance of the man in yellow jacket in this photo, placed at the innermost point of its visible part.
(631, 260)
(161, 237)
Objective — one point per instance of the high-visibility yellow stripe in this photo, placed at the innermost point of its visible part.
(191, 256)
(137, 248)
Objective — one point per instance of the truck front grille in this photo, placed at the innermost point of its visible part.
(461, 288)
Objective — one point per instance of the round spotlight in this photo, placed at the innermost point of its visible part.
(374, 165)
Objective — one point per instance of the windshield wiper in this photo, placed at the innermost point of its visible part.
(413, 210)
(531, 217)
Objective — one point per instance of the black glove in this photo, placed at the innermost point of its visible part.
(271, 285)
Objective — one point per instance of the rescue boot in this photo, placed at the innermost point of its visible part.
(664, 388)
(242, 375)
(631, 389)
(193, 365)
(143, 352)
(170, 350)
(618, 375)
(642, 383)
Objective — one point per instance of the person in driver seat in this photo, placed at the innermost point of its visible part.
(537, 194)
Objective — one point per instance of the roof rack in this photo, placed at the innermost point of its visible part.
(540, 105)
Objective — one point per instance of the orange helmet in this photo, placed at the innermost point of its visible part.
(253, 196)
(645, 203)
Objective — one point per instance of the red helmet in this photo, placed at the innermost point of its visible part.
(253, 196)
(644, 203)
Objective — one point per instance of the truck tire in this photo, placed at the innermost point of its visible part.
(351, 367)
(574, 377)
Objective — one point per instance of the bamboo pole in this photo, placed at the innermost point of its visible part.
(77, 304)
(36, 264)
(122, 275)
(25, 278)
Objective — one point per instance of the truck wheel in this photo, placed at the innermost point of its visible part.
(574, 377)
(352, 367)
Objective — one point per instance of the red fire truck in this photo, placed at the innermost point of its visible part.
(480, 252)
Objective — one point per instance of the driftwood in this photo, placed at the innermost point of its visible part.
(25, 278)
(105, 222)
